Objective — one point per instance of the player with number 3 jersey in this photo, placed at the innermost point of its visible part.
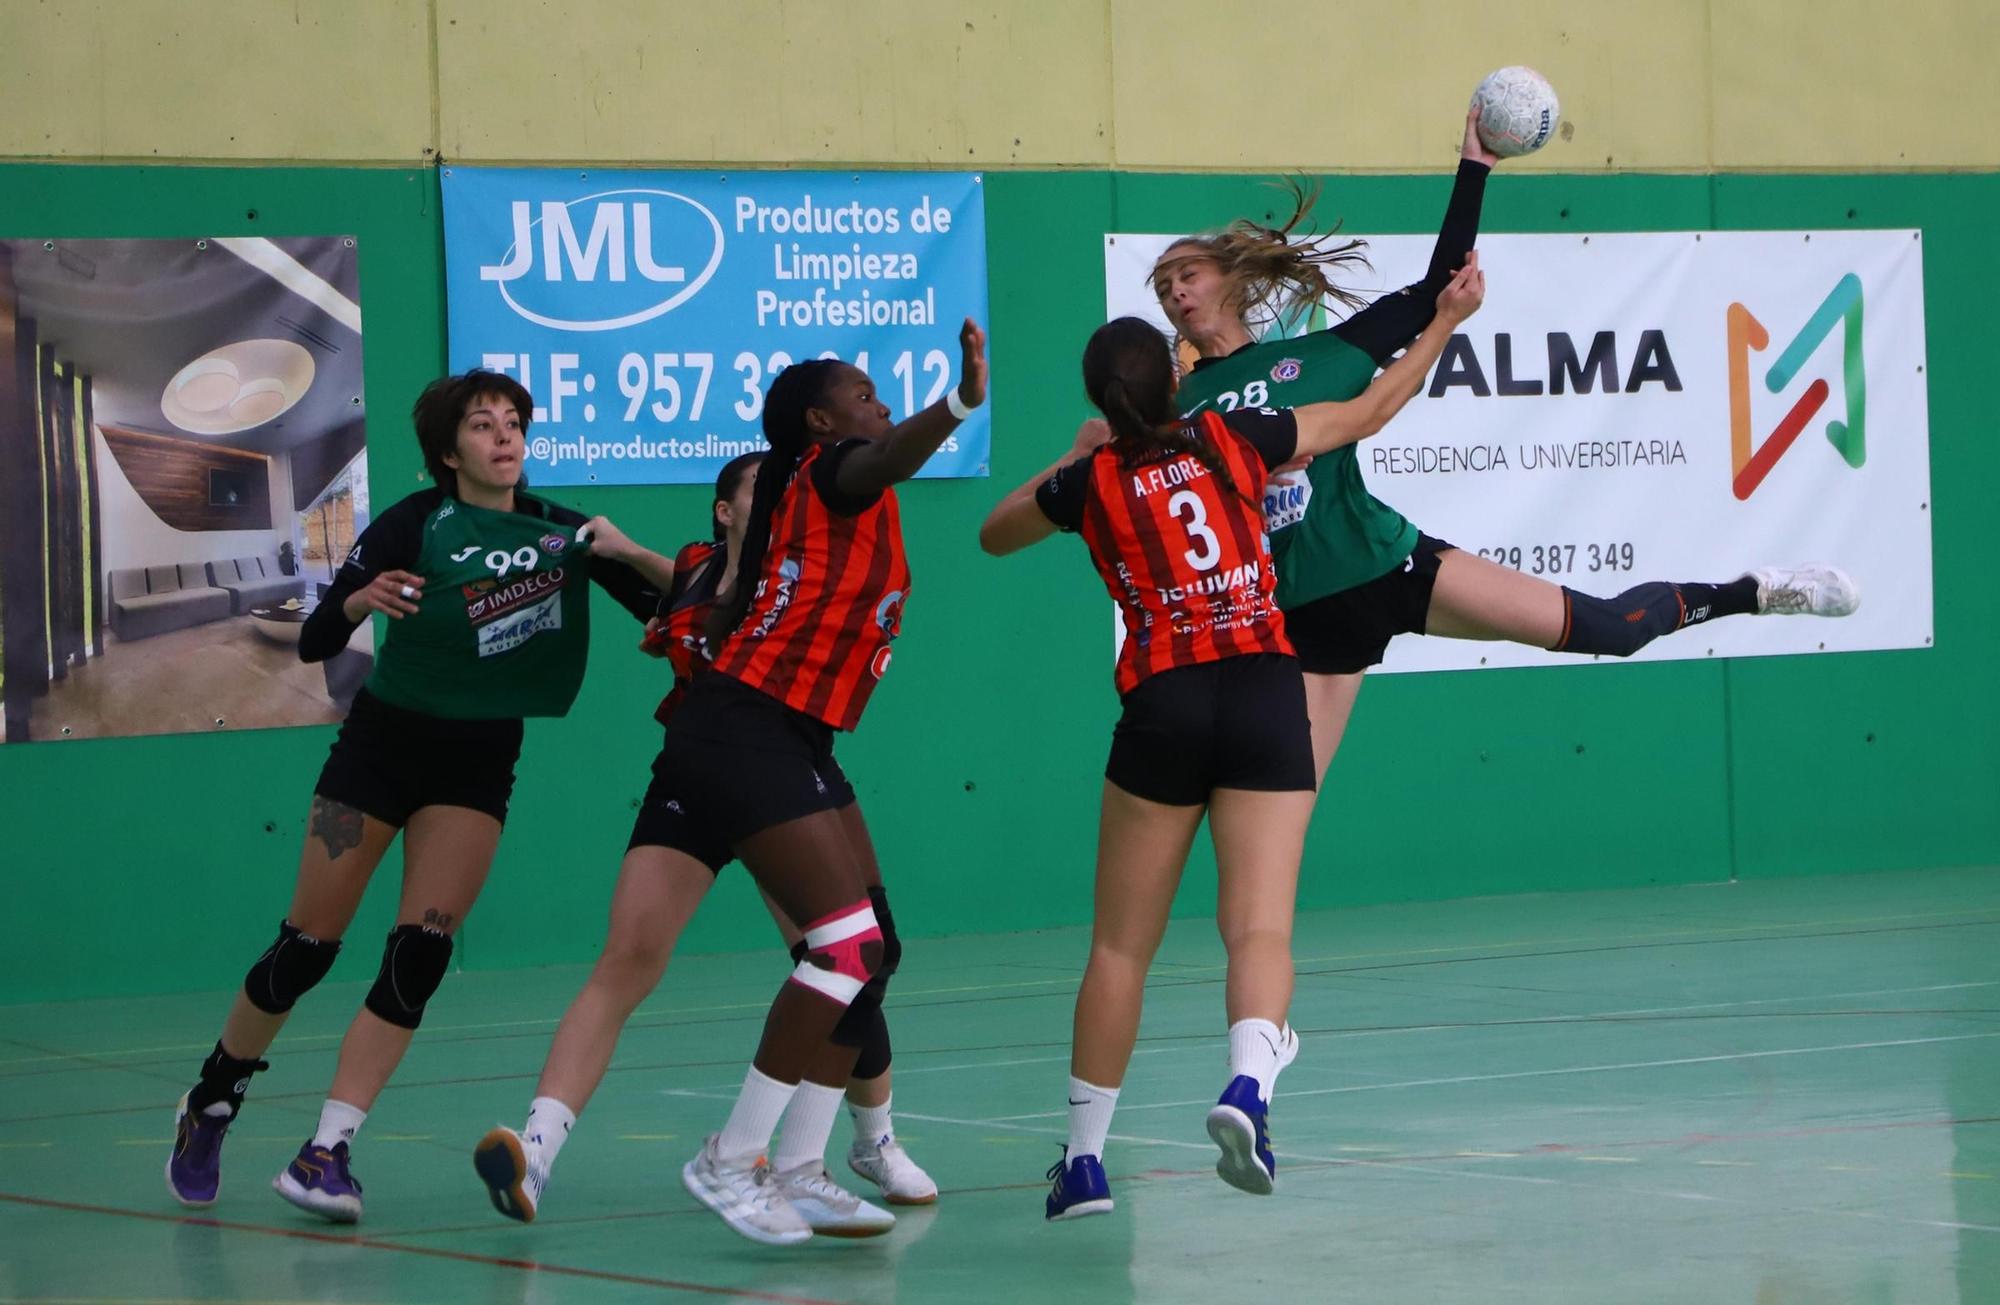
(1214, 711)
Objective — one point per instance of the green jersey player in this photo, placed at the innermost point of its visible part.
(485, 588)
(1352, 571)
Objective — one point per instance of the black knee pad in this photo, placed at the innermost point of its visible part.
(288, 969)
(858, 1021)
(892, 946)
(1621, 626)
(413, 965)
(873, 1061)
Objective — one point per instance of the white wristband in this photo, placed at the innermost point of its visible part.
(955, 405)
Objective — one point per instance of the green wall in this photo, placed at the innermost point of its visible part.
(163, 864)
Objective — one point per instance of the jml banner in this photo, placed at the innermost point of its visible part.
(1667, 406)
(648, 311)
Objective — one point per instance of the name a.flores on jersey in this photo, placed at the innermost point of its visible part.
(1167, 475)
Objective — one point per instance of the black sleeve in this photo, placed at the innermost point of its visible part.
(1387, 326)
(1273, 432)
(826, 479)
(632, 591)
(1061, 496)
(391, 542)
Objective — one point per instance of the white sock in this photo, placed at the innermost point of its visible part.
(872, 1125)
(808, 1123)
(338, 1122)
(549, 1122)
(1090, 1110)
(1260, 1049)
(754, 1117)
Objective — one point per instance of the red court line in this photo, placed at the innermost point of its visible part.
(468, 1257)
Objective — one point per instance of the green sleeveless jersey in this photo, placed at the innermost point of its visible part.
(503, 627)
(1328, 533)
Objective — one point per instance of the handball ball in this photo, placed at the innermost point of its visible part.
(1518, 111)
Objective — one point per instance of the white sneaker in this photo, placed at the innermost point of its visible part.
(1814, 589)
(514, 1172)
(887, 1165)
(743, 1193)
(827, 1207)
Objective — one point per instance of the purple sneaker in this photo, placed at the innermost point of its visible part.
(318, 1180)
(194, 1170)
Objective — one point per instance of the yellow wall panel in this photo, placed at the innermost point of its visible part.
(931, 82)
(1836, 84)
(1352, 86)
(1670, 85)
(224, 79)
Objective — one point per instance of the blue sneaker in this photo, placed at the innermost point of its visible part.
(1080, 1188)
(1236, 1123)
(318, 1180)
(194, 1170)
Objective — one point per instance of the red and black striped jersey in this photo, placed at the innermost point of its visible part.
(828, 602)
(1183, 556)
(677, 634)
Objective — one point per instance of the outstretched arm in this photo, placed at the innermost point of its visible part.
(896, 457)
(1324, 427)
(1021, 519)
(1394, 320)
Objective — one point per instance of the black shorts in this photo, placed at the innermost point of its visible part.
(736, 762)
(665, 821)
(1347, 632)
(388, 761)
(1235, 723)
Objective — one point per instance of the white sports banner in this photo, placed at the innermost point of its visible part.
(1664, 406)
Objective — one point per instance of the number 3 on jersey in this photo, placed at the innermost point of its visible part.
(1208, 550)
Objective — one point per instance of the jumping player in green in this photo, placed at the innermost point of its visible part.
(486, 590)
(1352, 571)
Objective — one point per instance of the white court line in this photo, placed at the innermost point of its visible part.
(1549, 1073)
(1585, 1017)
(903, 1070)
(1487, 1175)
(298, 1040)
(304, 1038)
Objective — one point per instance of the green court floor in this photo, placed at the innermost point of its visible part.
(1771, 1092)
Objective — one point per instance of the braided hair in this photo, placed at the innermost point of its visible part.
(793, 391)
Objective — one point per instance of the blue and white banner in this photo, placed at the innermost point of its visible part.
(648, 311)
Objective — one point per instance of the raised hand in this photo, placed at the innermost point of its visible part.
(1467, 290)
(972, 364)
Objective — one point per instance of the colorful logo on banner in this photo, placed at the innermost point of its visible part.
(1750, 465)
